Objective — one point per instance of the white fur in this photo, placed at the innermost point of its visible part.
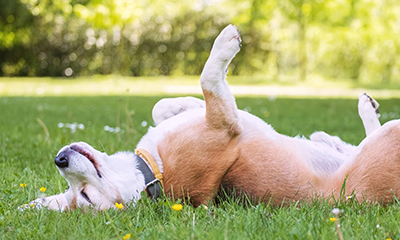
(367, 110)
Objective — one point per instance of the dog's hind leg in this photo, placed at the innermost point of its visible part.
(169, 107)
(369, 113)
(221, 109)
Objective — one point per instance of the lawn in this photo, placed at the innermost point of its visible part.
(33, 129)
(148, 86)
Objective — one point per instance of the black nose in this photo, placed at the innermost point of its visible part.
(61, 160)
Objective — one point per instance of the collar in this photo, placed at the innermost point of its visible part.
(152, 177)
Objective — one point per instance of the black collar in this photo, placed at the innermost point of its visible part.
(152, 184)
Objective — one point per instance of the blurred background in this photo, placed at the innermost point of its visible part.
(356, 40)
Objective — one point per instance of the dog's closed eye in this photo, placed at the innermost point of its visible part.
(85, 196)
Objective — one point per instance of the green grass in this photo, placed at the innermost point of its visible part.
(148, 86)
(27, 153)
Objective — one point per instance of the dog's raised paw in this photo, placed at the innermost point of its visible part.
(227, 44)
(367, 106)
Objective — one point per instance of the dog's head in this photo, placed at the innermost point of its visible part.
(97, 179)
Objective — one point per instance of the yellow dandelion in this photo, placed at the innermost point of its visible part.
(22, 184)
(32, 205)
(177, 207)
(332, 219)
(127, 236)
(119, 205)
(388, 239)
(43, 189)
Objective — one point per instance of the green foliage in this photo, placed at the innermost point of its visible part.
(354, 39)
(121, 37)
(27, 152)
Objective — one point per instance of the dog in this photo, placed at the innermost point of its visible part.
(203, 149)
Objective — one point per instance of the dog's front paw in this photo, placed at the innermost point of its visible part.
(368, 108)
(24, 207)
(227, 44)
(35, 204)
(38, 203)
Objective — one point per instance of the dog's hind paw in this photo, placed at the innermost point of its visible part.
(368, 107)
(369, 113)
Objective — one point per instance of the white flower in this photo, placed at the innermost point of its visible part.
(71, 126)
(113, 130)
(336, 211)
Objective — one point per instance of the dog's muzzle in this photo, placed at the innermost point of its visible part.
(63, 157)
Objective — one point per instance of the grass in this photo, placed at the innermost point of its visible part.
(148, 86)
(27, 150)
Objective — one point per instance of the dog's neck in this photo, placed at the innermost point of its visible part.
(152, 184)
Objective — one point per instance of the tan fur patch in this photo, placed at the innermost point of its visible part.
(375, 172)
(195, 160)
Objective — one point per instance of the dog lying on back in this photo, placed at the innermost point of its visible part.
(200, 149)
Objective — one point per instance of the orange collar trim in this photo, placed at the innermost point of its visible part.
(152, 162)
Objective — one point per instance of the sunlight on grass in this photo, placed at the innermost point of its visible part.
(190, 85)
(89, 86)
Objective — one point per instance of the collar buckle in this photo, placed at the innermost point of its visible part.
(156, 180)
(153, 188)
